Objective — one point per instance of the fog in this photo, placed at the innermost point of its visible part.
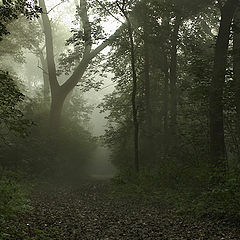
(101, 162)
(119, 119)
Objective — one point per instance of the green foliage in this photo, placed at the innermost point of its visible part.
(220, 201)
(184, 190)
(25, 35)
(13, 198)
(10, 10)
(13, 202)
(14, 205)
(11, 117)
(169, 177)
(60, 157)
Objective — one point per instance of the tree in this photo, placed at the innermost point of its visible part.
(60, 92)
(236, 67)
(122, 8)
(155, 54)
(87, 54)
(217, 143)
(24, 36)
(11, 117)
(173, 83)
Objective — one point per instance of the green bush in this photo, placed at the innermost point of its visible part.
(188, 191)
(13, 199)
(221, 201)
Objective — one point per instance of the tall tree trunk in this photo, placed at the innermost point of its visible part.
(134, 104)
(56, 110)
(149, 143)
(46, 87)
(134, 94)
(173, 85)
(52, 73)
(218, 159)
(165, 70)
(236, 68)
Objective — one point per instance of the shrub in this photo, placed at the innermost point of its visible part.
(220, 201)
(13, 202)
(12, 197)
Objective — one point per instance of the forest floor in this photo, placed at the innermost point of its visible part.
(88, 212)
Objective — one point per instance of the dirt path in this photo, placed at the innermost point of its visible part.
(87, 213)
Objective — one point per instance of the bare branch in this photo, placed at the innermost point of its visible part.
(55, 7)
(42, 70)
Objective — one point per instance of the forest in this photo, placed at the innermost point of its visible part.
(119, 119)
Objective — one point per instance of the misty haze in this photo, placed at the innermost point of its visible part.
(119, 119)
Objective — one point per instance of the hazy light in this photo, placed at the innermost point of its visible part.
(68, 15)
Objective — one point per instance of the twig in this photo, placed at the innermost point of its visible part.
(55, 7)
(43, 70)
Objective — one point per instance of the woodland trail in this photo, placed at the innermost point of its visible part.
(88, 213)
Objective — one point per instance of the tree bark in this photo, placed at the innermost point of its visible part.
(173, 85)
(149, 144)
(54, 85)
(134, 89)
(46, 87)
(56, 99)
(165, 70)
(56, 111)
(134, 96)
(218, 160)
(236, 69)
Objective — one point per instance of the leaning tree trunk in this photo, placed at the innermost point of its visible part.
(236, 69)
(218, 160)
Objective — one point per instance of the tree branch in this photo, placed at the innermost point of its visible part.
(109, 12)
(86, 26)
(87, 57)
(49, 48)
(55, 7)
(42, 70)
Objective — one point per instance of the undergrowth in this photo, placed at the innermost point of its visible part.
(189, 193)
(13, 203)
